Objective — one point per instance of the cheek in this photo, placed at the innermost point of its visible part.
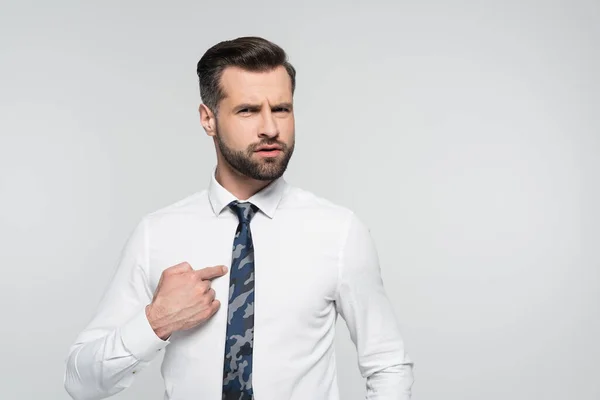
(238, 133)
(286, 128)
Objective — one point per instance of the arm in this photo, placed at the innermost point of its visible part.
(118, 341)
(363, 304)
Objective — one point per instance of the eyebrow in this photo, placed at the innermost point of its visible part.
(257, 107)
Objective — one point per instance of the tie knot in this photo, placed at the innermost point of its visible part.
(244, 211)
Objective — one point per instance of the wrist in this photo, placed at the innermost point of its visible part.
(160, 329)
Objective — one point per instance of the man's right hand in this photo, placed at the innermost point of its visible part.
(183, 299)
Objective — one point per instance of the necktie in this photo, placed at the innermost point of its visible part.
(237, 368)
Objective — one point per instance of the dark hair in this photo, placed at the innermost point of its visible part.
(250, 53)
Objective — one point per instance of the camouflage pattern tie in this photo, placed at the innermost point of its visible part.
(237, 368)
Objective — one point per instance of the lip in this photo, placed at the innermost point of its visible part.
(273, 152)
(268, 148)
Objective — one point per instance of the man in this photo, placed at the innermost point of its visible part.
(241, 283)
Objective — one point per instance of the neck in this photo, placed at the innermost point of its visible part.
(241, 186)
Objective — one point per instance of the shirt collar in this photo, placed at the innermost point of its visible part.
(266, 200)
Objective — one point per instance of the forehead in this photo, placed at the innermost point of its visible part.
(240, 85)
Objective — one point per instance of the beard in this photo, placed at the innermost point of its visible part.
(262, 169)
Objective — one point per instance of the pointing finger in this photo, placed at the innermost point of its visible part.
(212, 272)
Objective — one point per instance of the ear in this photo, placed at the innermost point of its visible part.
(207, 119)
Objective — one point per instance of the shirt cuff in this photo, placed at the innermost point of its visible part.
(140, 339)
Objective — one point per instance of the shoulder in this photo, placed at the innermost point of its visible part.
(320, 209)
(177, 211)
(299, 198)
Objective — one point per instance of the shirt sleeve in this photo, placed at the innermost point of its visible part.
(118, 341)
(363, 304)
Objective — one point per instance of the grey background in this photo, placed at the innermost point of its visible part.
(465, 134)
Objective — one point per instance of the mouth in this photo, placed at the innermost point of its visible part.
(269, 151)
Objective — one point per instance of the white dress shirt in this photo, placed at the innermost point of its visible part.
(313, 261)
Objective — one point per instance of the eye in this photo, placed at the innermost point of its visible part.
(281, 109)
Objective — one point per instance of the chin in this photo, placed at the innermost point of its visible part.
(272, 172)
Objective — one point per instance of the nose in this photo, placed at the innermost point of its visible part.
(269, 126)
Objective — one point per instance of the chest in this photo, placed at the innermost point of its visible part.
(295, 261)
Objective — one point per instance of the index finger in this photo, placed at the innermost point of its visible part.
(211, 272)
